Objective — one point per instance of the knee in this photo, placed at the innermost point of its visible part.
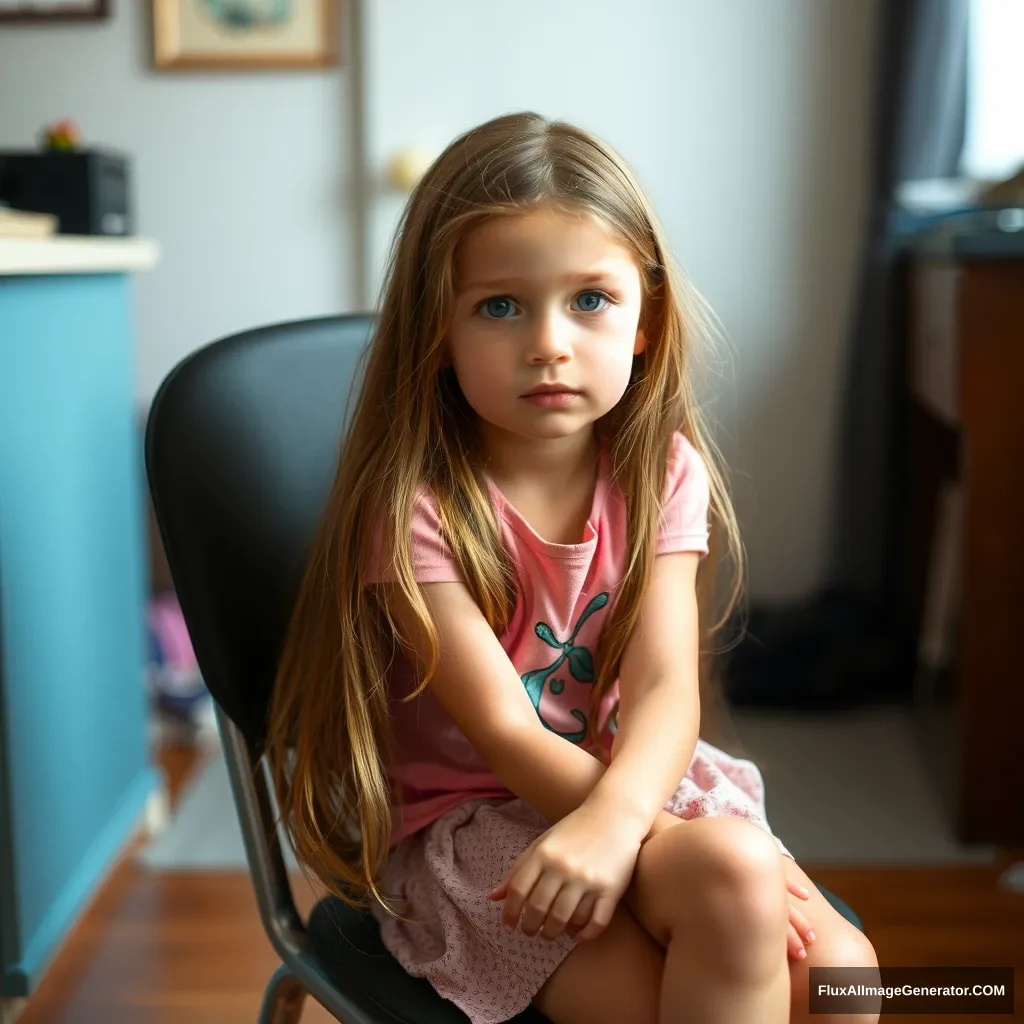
(849, 948)
(741, 900)
(745, 876)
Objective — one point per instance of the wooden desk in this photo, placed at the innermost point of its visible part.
(966, 467)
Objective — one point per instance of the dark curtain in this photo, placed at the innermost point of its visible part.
(920, 117)
(851, 643)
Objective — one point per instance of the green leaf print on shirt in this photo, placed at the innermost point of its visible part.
(581, 667)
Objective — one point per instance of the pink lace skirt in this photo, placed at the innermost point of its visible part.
(440, 877)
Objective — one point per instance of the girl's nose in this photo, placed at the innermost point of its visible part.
(550, 341)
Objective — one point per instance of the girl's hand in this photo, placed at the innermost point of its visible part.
(799, 929)
(570, 879)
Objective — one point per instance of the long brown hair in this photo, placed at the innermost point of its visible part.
(329, 739)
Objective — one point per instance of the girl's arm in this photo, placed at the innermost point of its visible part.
(659, 701)
(659, 712)
(577, 871)
(480, 689)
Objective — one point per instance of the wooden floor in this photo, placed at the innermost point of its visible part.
(170, 948)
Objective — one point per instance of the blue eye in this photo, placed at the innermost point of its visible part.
(498, 308)
(589, 301)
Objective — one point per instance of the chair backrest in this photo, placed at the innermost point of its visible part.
(242, 443)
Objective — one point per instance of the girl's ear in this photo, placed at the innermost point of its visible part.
(651, 309)
(445, 360)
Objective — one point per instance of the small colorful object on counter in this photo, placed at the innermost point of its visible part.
(61, 135)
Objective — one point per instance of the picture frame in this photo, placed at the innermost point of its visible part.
(244, 34)
(27, 12)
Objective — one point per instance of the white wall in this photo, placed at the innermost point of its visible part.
(747, 121)
(241, 177)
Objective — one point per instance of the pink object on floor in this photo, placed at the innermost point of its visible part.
(168, 625)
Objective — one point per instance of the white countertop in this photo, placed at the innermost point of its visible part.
(76, 254)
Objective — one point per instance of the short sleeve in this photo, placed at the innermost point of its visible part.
(432, 558)
(684, 514)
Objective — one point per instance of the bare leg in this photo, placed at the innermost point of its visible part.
(613, 978)
(837, 943)
(711, 945)
(712, 892)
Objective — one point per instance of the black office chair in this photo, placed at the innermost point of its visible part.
(241, 446)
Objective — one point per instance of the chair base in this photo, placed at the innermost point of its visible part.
(284, 998)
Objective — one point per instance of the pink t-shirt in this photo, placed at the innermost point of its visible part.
(567, 591)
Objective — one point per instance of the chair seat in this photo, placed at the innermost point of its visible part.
(843, 908)
(348, 946)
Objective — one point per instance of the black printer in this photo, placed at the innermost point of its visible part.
(88, 190)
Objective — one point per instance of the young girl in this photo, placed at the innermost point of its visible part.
(492, 669)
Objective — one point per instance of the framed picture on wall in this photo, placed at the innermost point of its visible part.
(227, 34)
(27, 12)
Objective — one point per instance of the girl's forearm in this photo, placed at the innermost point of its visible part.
(551, 774)
(652, 751)
(651, 754)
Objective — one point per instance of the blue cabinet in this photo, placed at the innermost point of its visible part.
(74, 767)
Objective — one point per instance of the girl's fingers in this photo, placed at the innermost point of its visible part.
(542, 896)
(500, 891)
(801, 925)
(581, 917)
(794, 946)
(562, 911)
(519, 885)
(604, 908)
(798, 890)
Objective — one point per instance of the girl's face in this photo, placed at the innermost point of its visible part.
(546, 322)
